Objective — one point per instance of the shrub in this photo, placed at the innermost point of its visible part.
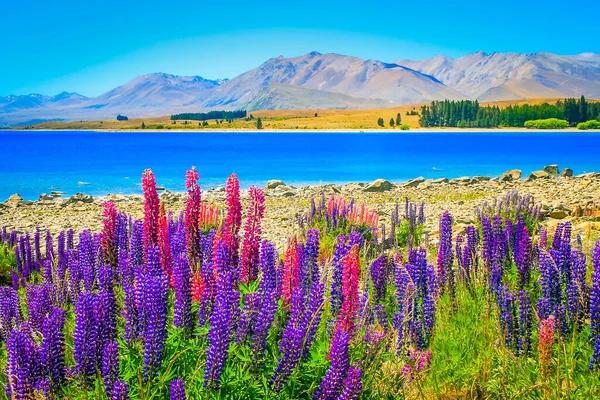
(159, 126)
(591, 124)
(405, 127)
(549, 123)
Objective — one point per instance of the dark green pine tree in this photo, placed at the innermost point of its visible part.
(259, 124)
(583, 109)
(398, 119)
(392, 123)
(380, 122)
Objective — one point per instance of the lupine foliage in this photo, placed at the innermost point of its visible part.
(174, 307)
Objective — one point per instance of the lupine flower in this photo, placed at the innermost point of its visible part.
(49, 246)
(352, 384)
(10, 311)
(109, 234)
(264, 320)
(445, 271)
(525, 323)
(120, 391)
(87, 259)
(595, 293)
(331, 385)
(192, 216)
(110, 367)
(166, 257)
(39, 304)
(523, 257)
(312, 317)
(350, 305)
(182, 312)
(85, 336)
(151, 210)
(23, 366)
(130, 313)
(379, 276)
(155, 309)
(252, 232)
(137, 244)
(337, 265)
(248, 318)
(268, 279)
(418, 361)
(547, 328)
(506, 303)
(292, 273)
(233, 220)
(310, 254)
(177, 391)
(53, 346)
(221, 327)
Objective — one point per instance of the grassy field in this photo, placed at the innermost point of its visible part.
(275, 120)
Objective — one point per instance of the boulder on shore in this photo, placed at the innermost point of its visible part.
(414, 182)
(552, 170)
(511, 175)
(78, 198)
(378, 185)
(566, 172)
(273, 184)
(14, 200)
(539, 175)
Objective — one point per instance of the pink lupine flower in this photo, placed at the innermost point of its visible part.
(291, 271)
(191, 216)
(233, 221)
(547, 328)
(252, 232)
(350, 282)
(109, 234)
(151, 210)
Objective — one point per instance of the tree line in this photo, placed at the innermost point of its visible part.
(470, 114)
(220, 115)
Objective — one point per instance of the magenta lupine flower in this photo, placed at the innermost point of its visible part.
(352, 384)
(233, 221)
(85, 336)
(252, 232)
(155, 312)
(337, 265)
(151, 210)
(182, 285)
(177, 390)
(109, 234)
(23, 366)
(221, 327)
(331, 385)
(191, 217)
(120, 391)
(110, 367)
(350, 282)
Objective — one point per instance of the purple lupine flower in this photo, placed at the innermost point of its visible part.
(268, 280)
(312, 317)
(266, 315)
(130, 313)
(525, 323)
(522, 256)
(153, 265)
(595, 293)
(381, 316)
(106, 310)
(70, 235)
(248, 318)
(39, 304)
(331, 385)
(37, 244)
(379, 275)
(23, 366)
(341, 249)
(87, 259)
(85, 336)
(120, 391)
(221, 327)
(110, 367)
(445, 270)
(126, 270)
(49, 246)
(352, 384)
(310, 254)
(53, 346)
(290, 346)
(155, 311)
(10, 311)
(177, 390)
(506, 303)
(488, 238)
(136, 245)
(182, 285)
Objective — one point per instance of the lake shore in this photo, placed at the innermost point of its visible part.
(561, 198)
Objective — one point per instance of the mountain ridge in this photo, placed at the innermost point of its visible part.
(316, 81)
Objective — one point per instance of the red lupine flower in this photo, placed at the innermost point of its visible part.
(151, 210)
(197, 286)
(350, 281)
(192, 216)
(109, 234)
(166, 257)
(547, 328)
(234, 218)
(208, 217)
(252, 232)
(291, 271)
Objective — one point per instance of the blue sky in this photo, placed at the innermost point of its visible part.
(92, 46)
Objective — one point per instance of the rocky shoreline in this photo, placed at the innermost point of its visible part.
(561, 195)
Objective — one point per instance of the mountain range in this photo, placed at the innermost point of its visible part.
(326, 81)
